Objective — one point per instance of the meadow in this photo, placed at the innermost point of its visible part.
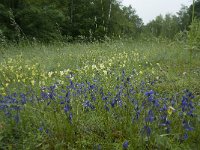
(114, 95)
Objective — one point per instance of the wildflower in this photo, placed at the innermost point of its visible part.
(151, 92)
(41, 129)
(125, 144)
(185, 136)
(11, 68)
(62, 73)
(164, 108)
(67, 108)
(187, 126)
(170, 110)
(150, 116)
(106, 108)
(66, 71)
(94, 67)
(86, 67)
(147, 129)
(20, 68)
(6, 84)
(102, 66)
(156, 103)
(33, 73)
(32, 82)
(105, 72)
(50, 74)
(150, 95)
(87, 104)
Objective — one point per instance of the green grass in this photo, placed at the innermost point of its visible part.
(163, 67)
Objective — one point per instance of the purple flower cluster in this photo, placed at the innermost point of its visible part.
(145, 105)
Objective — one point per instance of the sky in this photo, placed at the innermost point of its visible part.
(149, 9)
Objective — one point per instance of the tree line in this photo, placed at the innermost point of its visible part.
(169, 26)
(47, 20)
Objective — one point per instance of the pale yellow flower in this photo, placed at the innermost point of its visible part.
(33, 72)
(105, 72)
(32, 82)
(50, 74)
(94, 67)
(67, 71)
(20, 68)
(102, 66)
(170, 110)
(62, 73)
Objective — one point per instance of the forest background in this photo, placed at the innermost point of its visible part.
(86, 20)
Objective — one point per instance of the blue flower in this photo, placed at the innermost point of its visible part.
(113, 102)
(187, 126)
(156, 103)
(106, 107)
(67, 108)
(149, 93)
(150, 116)
(164, 108)
(41, 129)
(87, 104)
(147, 130)
(185, 136)
(125, 144)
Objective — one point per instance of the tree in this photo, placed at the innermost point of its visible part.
(48, 20)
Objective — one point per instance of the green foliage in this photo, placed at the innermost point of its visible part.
(52, 20)
(44, 123)
(194, 35)
(165, 27)
(173, 26)
(196, 8)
